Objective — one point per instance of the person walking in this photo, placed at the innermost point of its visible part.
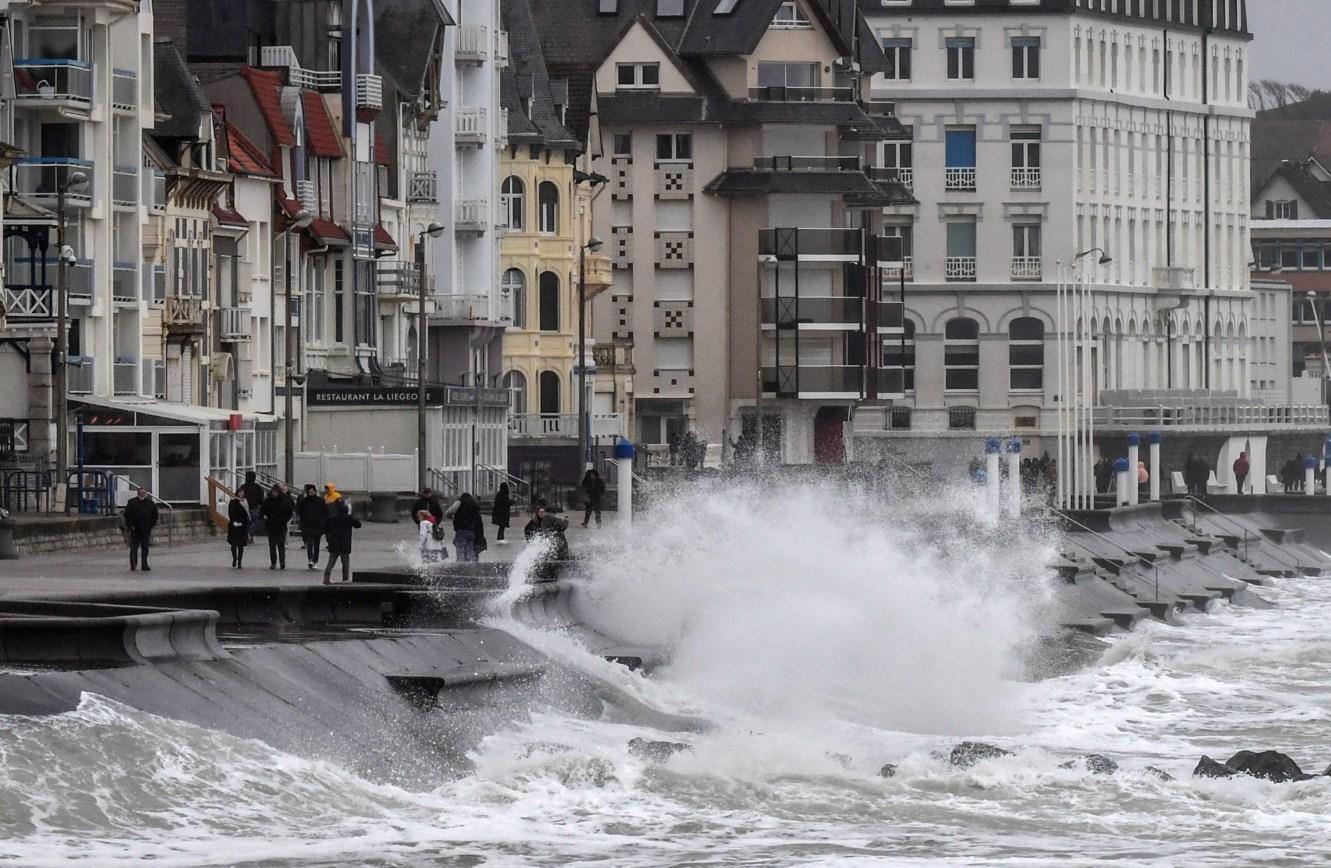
(1241, 468)
(139, 519)
(331, 494)
(431, 537)
(276, 512)
(253, 494)
(593, 492)
(313, 515)
(338, 530)
(502, 513)
(238, 531)
(468, 528)
(429, 501)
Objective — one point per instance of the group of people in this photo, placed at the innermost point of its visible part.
(468, 524)
(320, 517)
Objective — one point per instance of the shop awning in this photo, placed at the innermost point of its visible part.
(191, 414)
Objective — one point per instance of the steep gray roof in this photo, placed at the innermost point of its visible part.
(526, 88)
(178, 95)
(404, 31)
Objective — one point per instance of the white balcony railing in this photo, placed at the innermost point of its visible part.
(501, 47)
(959, 178)
(1025, 177)
(473, 43)
(124, 282)
(423, 187)
(124, 90)
(369, 91)
(603, 425)
(284, 56)
(959, 268)
(472, 215)
(126, 377)
(78, 375)
(1025, 268)
(462, 307)
(308, 194)
(236, 324)
(40, 179)
(469, 125)
(53, 81)
(125, 187)
(893, 276)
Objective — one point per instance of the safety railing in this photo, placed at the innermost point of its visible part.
(520, 489)
(1220, 518)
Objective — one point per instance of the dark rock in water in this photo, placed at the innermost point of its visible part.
(1267, 764)
(1096, 764)
(1161, 774)
(656, 751)
(968, 753)
(887, 771)
(1209, 768)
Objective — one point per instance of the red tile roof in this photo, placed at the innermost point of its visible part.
(382, 240)
(243, 156)
(227, 217)
(328, 232)
(267, 88)
(320, 135)
(380, 149)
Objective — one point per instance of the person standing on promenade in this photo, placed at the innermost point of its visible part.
(139, 519)
(429, 501)
(593, 492)
(1240, 472)
(313, 515)
(331, 494)
(276, 512)
(338, 530)
(238, 531)
(431, 537)
(468, 528)
(502, 514)
(252, 492)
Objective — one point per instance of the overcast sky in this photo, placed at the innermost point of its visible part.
(1290, 41)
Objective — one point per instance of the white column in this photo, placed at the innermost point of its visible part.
(1155, 466)
(1121, 476)
(1014, 477)
(1133, 441)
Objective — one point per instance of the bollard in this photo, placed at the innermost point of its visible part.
(1121, 474)
(624, 453)
(1014, 477)
(1309, 475)
(1154, 439)
(992, 447)
(1134, 445)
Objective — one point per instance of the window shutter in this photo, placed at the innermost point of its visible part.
(1294, 209)
(1270, 209)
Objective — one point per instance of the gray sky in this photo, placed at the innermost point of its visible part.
(1291, 41)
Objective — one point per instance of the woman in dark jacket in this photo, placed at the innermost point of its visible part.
(468, 528)
(238, 530)
(313, 515)
(593, 492)
(502, 514)
(338, 529)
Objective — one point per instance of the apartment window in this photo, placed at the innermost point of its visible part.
(787, 75)
(549, 393)
(515, 383)
(549, 301)
(514, 288)
(960, 58)
(1026, 251)
(1025, 354)
(897, 52)
(789, 16)
(547, 200)
(1026, 57)
(898, 418)
(315, 301)
(961, 354)
(513, 200)
(1282, 209)
(638, 75)
(907, 235)
(961, 418)
(1310, 258)
(622, 145)
(960, 263)
(959, 173)
(899, 352)
(1026, 158)
(339, 302)
(899, 160)
(674, 146)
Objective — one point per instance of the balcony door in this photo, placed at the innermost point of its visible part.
(829, 435)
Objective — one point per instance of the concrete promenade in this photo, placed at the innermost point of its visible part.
(207, 562)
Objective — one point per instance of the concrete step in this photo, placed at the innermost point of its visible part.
(1093, 626)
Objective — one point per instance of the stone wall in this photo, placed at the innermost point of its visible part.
(35, 535)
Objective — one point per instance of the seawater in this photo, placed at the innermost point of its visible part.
(819, 645)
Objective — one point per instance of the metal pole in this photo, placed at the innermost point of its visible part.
(289, 433)
(422, 339)
(1061, 467)
(61, 355)
(582, 355)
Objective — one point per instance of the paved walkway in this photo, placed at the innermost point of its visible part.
(204, 563)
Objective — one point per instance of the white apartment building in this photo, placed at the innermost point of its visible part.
(1044, 129)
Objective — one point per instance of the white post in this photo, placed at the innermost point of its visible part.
(1014, 477)
(1326, 465)
(1309, 475)
(991, 477)
(1059, 326)
(1121, 475)
(1134, 460)
(624, 453)
(1155, 466)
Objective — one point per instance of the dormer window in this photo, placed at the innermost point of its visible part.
(789, 17)
(643, 76)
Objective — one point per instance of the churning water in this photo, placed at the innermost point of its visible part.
(819, 647)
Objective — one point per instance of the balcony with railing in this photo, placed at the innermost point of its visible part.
(154, 285)
(29, 303)
(1026, 268)
(154, 378)
(397, 279)
(783, 93)
(564, 425)
(236, 324)
(891, 317)
(400, 369)
(959, 268)
(369, 91)
(813, 313)
(41, 178)
(53, 82)
(471, 215)
(831, 245)
(473, 43)
(1025, 177)
(814, 381)
(462, 308)
(307, 193)
(959, 178)
(125, 187)
(78, 375)
(125, 376)
(501, 48)
(154, 190)
(886, 382)
(423, 187)
(903, 175)
(806, 164)
(284, 57)
(124, 283)
(469, 126)
(182, 314)
(124, 90)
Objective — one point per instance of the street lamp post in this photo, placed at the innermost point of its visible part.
(302, 219)
(434, 230)
(584, 429)
(73, 180)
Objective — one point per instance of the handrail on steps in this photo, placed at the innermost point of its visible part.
(171, 513)
(1195, 502)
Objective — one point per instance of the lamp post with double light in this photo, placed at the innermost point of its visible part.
(74, 181)
(434, 230)
(584, 428)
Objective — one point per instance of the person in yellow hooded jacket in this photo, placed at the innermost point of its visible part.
(331, 494)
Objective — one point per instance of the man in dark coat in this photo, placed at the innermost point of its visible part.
(252, 493)
(429, 501)
(276, 512)
(338, 531)
(140, 518)
(313, 515)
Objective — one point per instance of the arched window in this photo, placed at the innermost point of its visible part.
(514, 288)
(549, 393)
(513, 199)
(1025, 354)
(516, 386)
(899, 352)
(961, 355)
(547, 196)
(549, 301)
